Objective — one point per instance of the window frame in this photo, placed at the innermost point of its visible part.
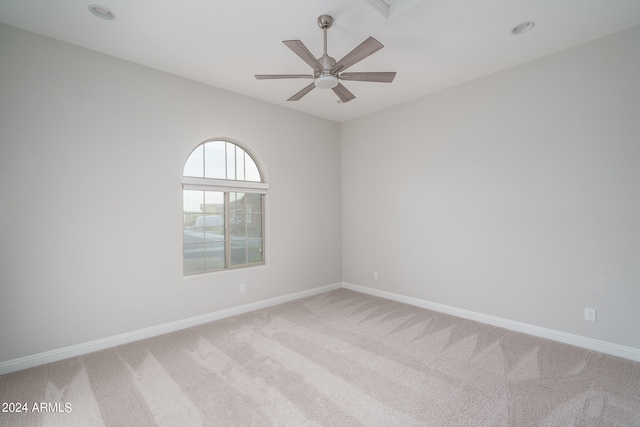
(228, 186)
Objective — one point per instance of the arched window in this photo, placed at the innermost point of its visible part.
(223, 202)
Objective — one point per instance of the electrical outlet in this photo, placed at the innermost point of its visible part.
(590, 314)
(375, 275)
(243, 288)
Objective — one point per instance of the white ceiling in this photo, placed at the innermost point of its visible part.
(432, 45)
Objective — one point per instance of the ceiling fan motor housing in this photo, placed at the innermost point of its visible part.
(326, 79)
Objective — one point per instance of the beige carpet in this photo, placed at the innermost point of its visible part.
(341, 359)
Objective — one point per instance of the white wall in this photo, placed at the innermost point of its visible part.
(91, 157)
(516, 195)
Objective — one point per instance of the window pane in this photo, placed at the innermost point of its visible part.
(214, 160)
(254, 225)
(215, 221)
(213, 202)
(238, 202)
(238, 251)
(240, 155)
(193, 258)
(193, 231)
(195, 163)
(193, 200)
(214, 252)
(254, 202)
(213, 226)
(237, 225)
(254, 247)
(231, 161)
(251, 172)
(237, 208)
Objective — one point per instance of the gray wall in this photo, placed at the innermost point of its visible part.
(516, 195)
(91, 157)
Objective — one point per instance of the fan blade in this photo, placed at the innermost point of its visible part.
(366, 48)
(343, 93)
(283, 76)
(302, 93)
(301, 50)
(382, 77)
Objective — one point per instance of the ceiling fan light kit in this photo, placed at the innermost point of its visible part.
(327, 73)
(326, 81)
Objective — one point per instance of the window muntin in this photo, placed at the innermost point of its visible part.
(223, 205)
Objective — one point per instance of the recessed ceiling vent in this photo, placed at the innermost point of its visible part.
(390, 8)
(523, 28)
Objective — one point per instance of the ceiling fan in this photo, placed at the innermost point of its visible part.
(327, 73)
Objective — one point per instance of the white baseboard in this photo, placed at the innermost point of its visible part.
(101, 344)
(563, 337)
